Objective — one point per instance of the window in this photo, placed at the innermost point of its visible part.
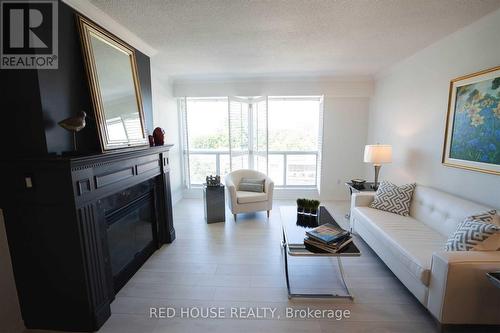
(280, 136)
(206, 136)
(294, 140)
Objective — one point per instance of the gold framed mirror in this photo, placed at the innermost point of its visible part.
(114, 87)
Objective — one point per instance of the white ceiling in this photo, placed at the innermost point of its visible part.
(243, 38)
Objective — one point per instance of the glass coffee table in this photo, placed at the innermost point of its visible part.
(294, 230)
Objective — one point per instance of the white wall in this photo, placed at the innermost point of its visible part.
(345, 131)
(165, 115)
(345, 126)
(346, 87)
(409, 111)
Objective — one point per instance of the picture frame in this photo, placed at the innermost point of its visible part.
(472, 133)
(114, 85)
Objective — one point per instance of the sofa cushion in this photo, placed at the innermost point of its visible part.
(440, 210)
(249, 197)
(393, 198)
(409, 240)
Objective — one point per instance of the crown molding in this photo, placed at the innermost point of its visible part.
(107, 22)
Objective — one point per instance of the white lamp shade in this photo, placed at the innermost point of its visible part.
(378, 154)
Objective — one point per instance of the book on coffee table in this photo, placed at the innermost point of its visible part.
(315, 246)
(327, 233)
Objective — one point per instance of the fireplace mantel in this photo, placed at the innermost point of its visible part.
(57, 232)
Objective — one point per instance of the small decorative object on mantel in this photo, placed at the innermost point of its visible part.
(151, 140)
(472, 136)
(74, 124)
(159, 136)
(213, 181)
(308, 207)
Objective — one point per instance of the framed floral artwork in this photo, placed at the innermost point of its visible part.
(472, 137)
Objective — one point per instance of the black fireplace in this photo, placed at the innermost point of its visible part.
(79, 227)
(131, 230)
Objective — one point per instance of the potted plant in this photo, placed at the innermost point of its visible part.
(307, 207)
(314, 205)
(301, 205)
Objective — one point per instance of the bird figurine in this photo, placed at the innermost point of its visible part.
(74, 124)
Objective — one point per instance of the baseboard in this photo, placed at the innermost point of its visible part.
(278, 193)
(192, 193)
(294, 193)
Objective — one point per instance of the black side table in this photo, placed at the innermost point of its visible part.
(214, 203)
(366, 187)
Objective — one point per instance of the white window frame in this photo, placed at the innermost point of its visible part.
(251, 100)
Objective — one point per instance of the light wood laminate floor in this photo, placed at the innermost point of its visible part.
(239, 264)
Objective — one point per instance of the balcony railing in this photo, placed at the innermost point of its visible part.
(290, 169)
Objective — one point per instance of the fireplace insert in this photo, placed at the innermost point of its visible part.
(131, 230)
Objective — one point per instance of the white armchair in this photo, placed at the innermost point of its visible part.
(247, 202)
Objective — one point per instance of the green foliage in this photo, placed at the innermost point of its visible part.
(496, 83)
(472, 95)
(463, 90)
(278, 140)
(219, 140)
(308, 204)
(292, 140)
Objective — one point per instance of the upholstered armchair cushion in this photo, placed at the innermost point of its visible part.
(249, 197)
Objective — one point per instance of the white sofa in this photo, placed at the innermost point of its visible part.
(247, 202)
(452, 285)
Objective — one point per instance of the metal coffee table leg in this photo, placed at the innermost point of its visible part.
(304, 295)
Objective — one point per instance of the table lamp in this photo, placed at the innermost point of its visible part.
(378, 155)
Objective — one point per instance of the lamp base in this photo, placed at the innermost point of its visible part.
(377, 170)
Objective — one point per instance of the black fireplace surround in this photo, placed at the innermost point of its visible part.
(79, 227)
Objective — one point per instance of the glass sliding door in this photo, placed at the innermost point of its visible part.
(279, 136)
(239, 145)
(294, 140)
(206, 137)
(259, 134)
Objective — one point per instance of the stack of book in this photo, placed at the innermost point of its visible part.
(327, 238)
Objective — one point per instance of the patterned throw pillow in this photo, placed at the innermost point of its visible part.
(473, 235)
(490, 217)
(393, 198)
